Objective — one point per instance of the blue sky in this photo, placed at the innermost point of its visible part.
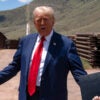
(12, 4)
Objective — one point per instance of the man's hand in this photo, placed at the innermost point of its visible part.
(96, 98)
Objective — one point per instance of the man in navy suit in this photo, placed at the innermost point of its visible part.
(59, 56)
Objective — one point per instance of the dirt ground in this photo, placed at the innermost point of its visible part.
(9, 90)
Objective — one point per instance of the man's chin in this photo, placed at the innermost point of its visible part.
(44, 33)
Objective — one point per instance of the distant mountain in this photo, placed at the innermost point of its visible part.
(71, 16)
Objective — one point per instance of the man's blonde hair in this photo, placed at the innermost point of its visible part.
(46, 9)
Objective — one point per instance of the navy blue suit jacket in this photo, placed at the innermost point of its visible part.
(61, 58)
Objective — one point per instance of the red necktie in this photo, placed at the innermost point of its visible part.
(34, 68)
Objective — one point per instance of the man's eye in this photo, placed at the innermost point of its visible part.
(38, 20)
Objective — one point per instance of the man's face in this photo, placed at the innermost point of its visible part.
(43, 23)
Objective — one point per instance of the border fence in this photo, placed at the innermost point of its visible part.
(87, 44)
(88, 47)
(7, 43)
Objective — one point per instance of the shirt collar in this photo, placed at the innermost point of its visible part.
(48, 38)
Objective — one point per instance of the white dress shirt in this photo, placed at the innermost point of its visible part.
(44, 53)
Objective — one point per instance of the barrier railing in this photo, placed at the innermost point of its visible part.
(88, 47)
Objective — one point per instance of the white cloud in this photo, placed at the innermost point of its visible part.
(3, 0)
(24, 1)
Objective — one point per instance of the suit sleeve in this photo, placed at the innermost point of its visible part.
(75, 63)
(12, 69)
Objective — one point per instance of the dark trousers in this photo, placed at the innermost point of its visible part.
(35, 96)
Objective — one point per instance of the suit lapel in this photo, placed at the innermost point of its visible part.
(29, 51)
(52, 50)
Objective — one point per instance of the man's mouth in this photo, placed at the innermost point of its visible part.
(43, 28)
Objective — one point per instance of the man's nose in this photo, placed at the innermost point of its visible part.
(42, 22)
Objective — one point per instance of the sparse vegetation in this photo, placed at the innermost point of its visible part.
(72, 16)
(86, 64)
